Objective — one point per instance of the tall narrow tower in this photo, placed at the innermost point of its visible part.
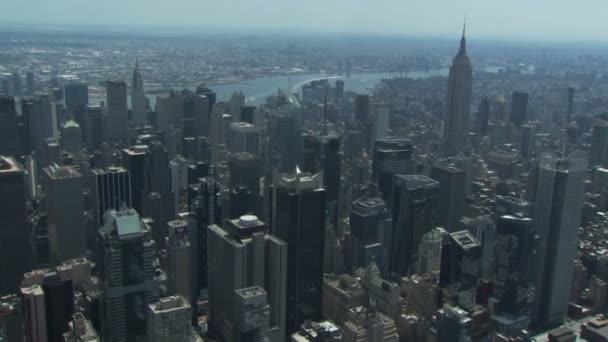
(138, 99)
(460, 89)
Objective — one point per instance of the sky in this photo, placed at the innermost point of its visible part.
(511, 19)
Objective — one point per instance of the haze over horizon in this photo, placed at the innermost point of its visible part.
(517, 19)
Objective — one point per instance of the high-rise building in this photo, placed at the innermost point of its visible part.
(75, 94)
(527, 146)
(71, 137)
(252, 314)
(519, 108)
(17, 84)
(93, 127)
(30, 82)
(242, 254)
(138, 98)
(247, 114)
(127, 274)
(460, 261)
(244, 137)
(63, 187)
(118, 114)
(169, 110)
(201, 113)
(369, 325)
(363, 109)
(460, 90)
(81, 330)
(237, 101)
(41, 121)
(136, 160)
(414, 215)
(179, 261)
(429, 251)
(245, 172)
(599, 143)
(11, 317)
(299, 219)
(169, 320)
(110, 189)
(34, 313)
(370, 233)
(484, 230)
(559, 198)
(380, 121)
(160, 178)
(483, 117)
(454, 324)
(286, 141)
(14, 227)
(9, 131)
(391, 157)
(451, 195)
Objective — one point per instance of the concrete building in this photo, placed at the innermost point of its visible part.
(244, 137)
(81, 330)
(118, 116)
(365, 325)
(169, 321)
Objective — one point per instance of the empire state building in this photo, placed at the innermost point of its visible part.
(460, 89)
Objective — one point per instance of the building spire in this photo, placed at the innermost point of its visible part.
(463, 40)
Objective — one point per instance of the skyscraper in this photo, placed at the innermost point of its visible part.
(127, 275)
(460, 89)
(30, 82)
(483, 117)
(169, 320)
(9, 131)
(63, 187)
(136, 160)
(299, 219)
(391, 157)
(94, 127)
(363, 109)
(519, 108)
(244, 137)
(201, 113)
(559, 198)
(71, 137)
(118, 116)
(429, 251)
(599, 143)
(14, 227)
(451, 195)
(75, 94)
(245, 172)
(242, 254)
(138, 98)
(110, 189)
(179, 261)
(414, 215)
(237, 101)
(527, 146)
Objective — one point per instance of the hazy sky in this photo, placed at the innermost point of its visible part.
(553, 19)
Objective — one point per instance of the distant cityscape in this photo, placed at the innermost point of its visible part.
(260, 188)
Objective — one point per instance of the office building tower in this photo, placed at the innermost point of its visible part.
(118, 115)
(429, 251)
(242, 254)
(460, 90)
(369, 325)
(286, 141)
(519, 108)
(179, 261)
(160, 178)
(71, 137)
(245, 173)
(299, 219)
(451, 195)
(201, 114)
(169, 110)
(247, 114)
(63, 187)
(380, 121)
(559, 197)
(30, 83)
(41, 119)
(570, 104)
(94, 127)
(370, 236)
(527, 146)
(516, 245)
(363, 108)
(17, 84)
(460, 261)
(138, 98)
(9, 131)
(414, 215)
(454, 324)
(127, 274)
(75, 94)
(391, 157)
(202, 89)
(110, 189)
(59, 305)
(244, 137)
(484, 230)
(34, 313)
(322, 153)
(169, 320)
(14, 227)
(339, 89)
(237, 101)
(483, 117)
(136, 160)
(599, 143)
(81, 330)
(252, 314)
(353, 144)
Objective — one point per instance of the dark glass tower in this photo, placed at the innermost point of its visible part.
(519, 108)
(299, 220)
